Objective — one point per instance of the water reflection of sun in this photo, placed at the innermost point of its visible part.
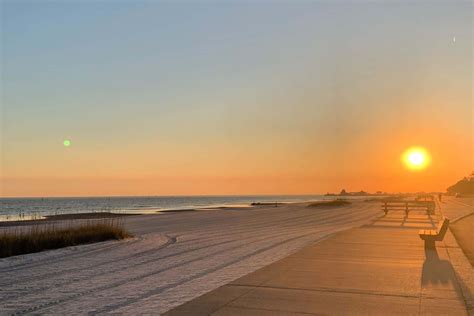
(416, 158)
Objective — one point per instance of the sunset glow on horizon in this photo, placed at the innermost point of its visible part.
(164, 98)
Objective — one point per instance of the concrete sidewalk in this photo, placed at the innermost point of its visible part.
(378, 269)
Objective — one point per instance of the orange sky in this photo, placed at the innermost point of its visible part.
(232, 100)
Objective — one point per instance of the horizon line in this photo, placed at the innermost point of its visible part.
(206, 195)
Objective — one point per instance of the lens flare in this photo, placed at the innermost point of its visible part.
(416, 158)
(67, 143)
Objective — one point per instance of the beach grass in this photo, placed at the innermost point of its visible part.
(45, 237)
(332, 203)
(265, 203)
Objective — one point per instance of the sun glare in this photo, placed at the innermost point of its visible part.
(67, 143)
(416, 158)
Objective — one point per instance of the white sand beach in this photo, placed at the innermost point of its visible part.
(172, 259)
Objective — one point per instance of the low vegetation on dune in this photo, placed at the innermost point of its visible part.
(91, 215)
(266, 203)
(332, 203)
(44, 237)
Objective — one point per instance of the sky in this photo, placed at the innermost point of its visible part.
(233, 97)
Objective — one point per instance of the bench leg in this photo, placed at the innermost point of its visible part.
(430, 244)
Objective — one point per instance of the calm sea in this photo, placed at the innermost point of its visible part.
(27, 208)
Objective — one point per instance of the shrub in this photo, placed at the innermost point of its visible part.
(332, 203)
(43, 237)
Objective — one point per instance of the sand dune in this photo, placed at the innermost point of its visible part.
(174, 258)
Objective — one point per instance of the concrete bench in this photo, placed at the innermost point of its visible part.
(432, 235)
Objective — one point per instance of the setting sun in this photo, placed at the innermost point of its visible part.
(416, 158)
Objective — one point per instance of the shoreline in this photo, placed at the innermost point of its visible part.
(68, 216)
(104, 215)
(18, 210)
(107, 214)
